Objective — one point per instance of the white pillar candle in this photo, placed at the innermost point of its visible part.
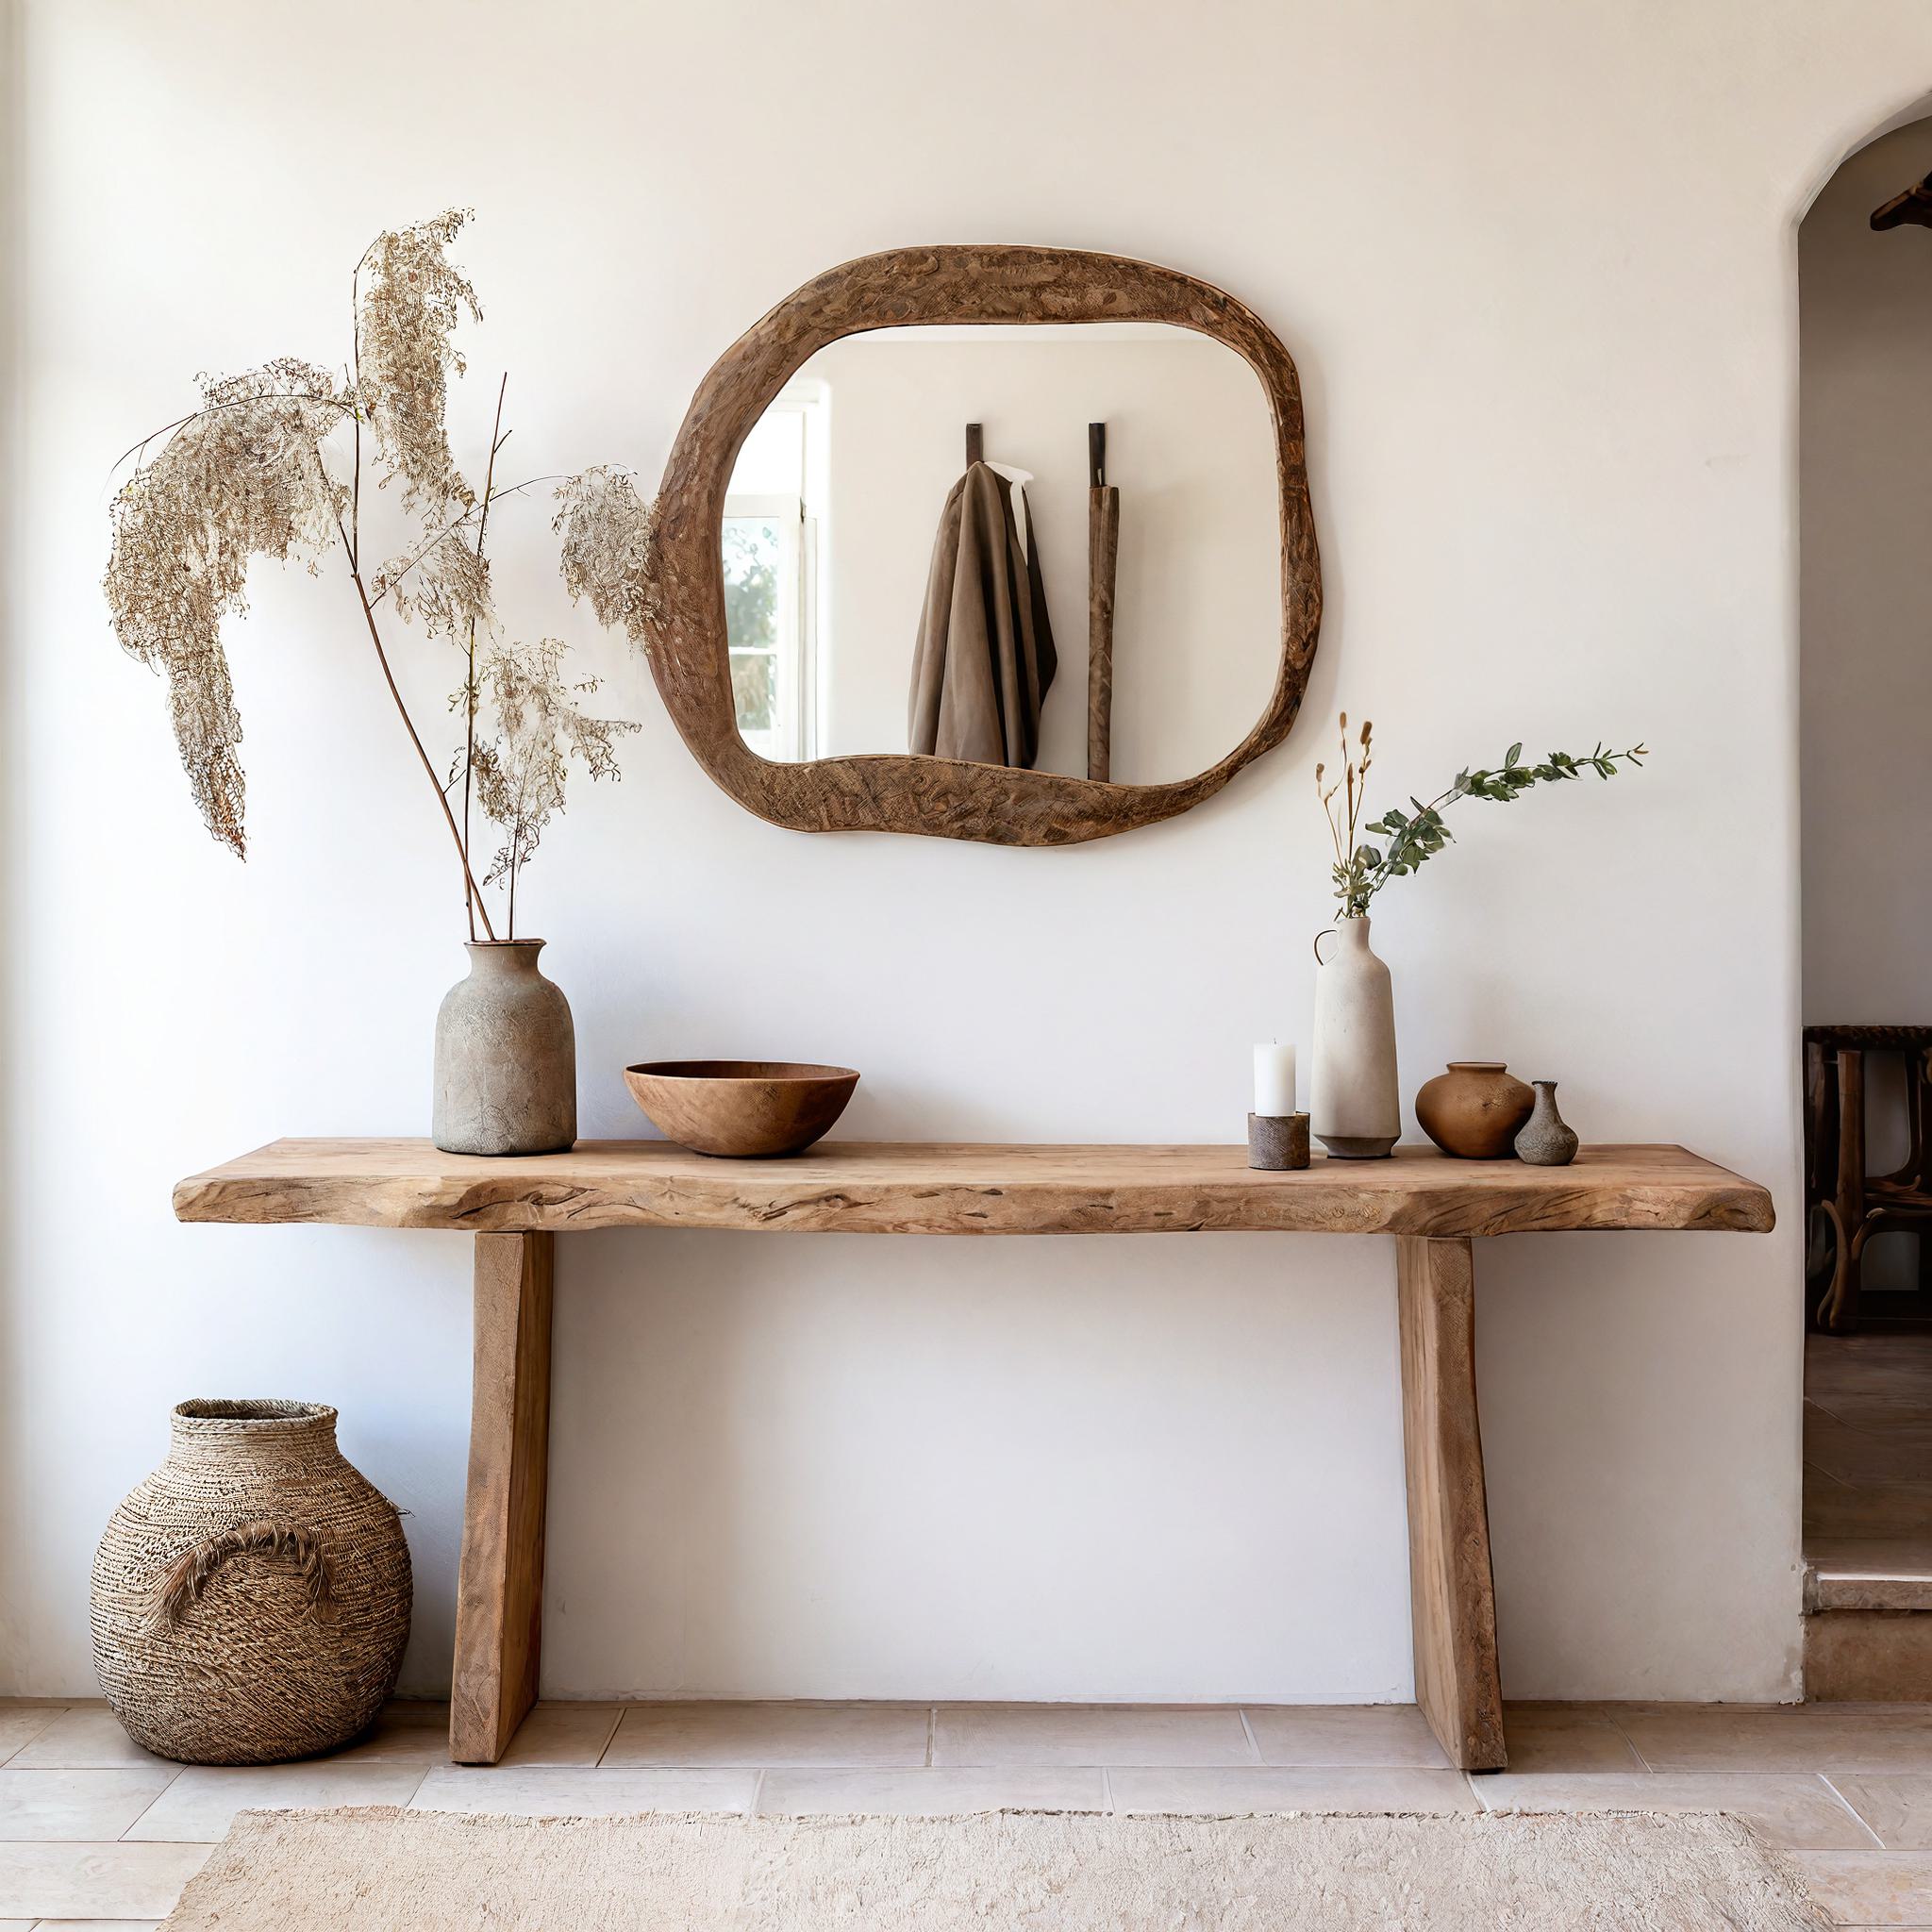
(1274, 1079)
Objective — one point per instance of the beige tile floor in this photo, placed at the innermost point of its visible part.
(1867, 1453)
(96, 1832)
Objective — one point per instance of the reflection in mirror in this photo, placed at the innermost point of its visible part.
(881, 596)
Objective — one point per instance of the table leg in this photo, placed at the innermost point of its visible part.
(1452, 1595)
(500, 1584)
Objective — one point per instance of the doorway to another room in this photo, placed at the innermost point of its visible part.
(1865, 467)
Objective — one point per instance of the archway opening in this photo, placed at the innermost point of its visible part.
(1865, 496)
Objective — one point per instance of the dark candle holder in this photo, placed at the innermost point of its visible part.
(1277, 1141)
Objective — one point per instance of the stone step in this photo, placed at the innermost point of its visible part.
(1857, 1654)
(1876, 1575)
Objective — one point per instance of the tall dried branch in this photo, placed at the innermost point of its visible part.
(411, 302)
(244, 476)
(240, 479)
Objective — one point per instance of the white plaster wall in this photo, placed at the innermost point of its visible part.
(1537, 265)
(1197, 620)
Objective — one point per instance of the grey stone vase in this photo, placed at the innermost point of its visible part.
(506, 1057)
(1544, 1140)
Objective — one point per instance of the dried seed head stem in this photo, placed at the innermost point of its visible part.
(245, 475)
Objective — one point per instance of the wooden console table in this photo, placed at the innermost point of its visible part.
(1434, 1207)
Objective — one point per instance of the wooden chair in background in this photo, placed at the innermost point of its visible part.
(1844, 1205)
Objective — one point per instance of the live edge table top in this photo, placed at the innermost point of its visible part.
(857, 1186)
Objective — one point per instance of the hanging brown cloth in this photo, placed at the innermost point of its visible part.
(985, 656)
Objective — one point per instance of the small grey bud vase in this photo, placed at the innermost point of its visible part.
(506, 1057)
(1545, 1139)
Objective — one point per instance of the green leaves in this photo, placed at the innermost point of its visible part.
(1413, 838)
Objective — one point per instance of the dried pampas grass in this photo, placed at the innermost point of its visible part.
(247, 475)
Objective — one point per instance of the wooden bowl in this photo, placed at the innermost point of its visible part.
(744, 1109)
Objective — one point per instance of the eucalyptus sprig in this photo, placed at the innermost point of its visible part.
(1361, 869)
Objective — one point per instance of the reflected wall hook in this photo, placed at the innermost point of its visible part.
(1914, 205)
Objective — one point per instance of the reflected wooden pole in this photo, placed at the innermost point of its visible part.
(1102, 550)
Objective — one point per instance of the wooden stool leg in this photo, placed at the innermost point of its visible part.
(1452, 1594)
(1917, 1167)
(1841, 1309)
(500, 1585)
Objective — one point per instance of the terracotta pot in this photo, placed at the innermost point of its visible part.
(506, 1057)
(742, 1109)
(1475, 1110)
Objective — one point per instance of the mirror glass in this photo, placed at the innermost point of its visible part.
(881, 596)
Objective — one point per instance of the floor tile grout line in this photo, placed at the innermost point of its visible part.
(53, 1716)
(1636, 1750)
(1253, 1742)
(758, 1793)
(932, 1735)
(168, 1785)
(1112, 1804)
(609, 1736)
(1825, 1778)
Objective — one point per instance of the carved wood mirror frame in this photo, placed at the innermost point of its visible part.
(898, 792)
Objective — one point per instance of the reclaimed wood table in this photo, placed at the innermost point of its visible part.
(1434, 1207)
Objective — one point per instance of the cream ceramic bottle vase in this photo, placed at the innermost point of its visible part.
(506, 1057)
(1355, 1107)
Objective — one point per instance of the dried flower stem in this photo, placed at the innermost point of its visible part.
(393, 575)
(520, 773)
(356, 378)
(248, 402)
(496, 442)
(244, 477)
(352, 543)
(470, 888)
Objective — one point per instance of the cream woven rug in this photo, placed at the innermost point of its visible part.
(383, 1869)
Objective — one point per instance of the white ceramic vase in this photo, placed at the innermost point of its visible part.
(1353, 1102)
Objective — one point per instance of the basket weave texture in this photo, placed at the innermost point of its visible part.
(251, 1598)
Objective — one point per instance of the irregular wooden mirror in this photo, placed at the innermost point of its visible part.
(873, 490)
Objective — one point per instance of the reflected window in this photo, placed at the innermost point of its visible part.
(771, 576)
(764, 611)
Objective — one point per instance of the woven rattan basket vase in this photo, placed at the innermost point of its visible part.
(251, 1597)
